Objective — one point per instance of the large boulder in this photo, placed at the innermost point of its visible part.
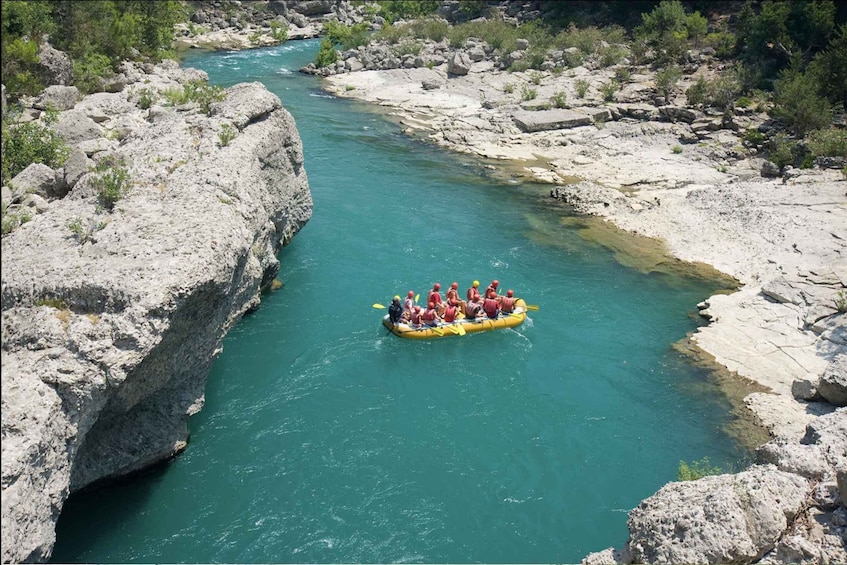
(716, 519)
(459, 64)
(56, 66)
(543, 120)
(74, 127)
(833, 384)
(38, 179)
(57, 97)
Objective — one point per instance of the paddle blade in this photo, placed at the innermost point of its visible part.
(438, 331)
(533, 307)
(453, 329)
(379, 306)
(417, 297)
(461, 329)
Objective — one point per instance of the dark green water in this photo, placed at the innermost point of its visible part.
(325, 440)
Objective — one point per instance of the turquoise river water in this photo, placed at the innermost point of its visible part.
(325, 440)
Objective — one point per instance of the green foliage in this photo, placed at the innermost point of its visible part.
(19, 68)
(723, 42)
(528, 93)
(831, 142)
(559, 99)
(347, 37)
(841, 302)
(798, 103)
(393, 10)
(278, 31)
(146, 98)
(51, 302)
(407, 48)
(696, 470)
(30, 142)
(697, 92)
(610, 55)
(676, 149)
(608, 90)
(581, 87)
(201, 92)
(89, 70)
(509, 87)
(623, 75)
(88, 31)
(226, 135)
(665, 29)
(111, 180)
(782, 151)
(753, 138)
(573, 59)
(327, 55)
(829, 68)
(535, 77)
(666, 80)
(12, 221)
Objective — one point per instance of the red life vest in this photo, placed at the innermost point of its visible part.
(473, 293)
(416, 317)
(491, 307)
(507, 304)
(429, 316)
(450, 314)
(434, 297)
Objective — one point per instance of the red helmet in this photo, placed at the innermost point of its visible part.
(495, 283)
(411, 293)
(509, 292)
(431, 305)
(437, 286)
(454, 285)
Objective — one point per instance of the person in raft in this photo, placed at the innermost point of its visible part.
(473, 309)
(453, 293)
(409, 303)
(430, 316)
(451, 311)
(507, 303)
(490, 305)
(492, 288)
(434, 296)
(395, 311)
(473, 292)
(416, 317)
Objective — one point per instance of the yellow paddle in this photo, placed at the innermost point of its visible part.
(438, 331)
(453, 329)
(417, 297)
(379, 306)
(533, 307)
(461, 329)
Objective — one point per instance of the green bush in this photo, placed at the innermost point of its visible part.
(723, 42)
(697, 93)
(226, 135)
(608, 90)
(347, 37)
(111, 180)
(666, 80)
(559, 99)
(696, 470)
(581, 87)
(201, 92)
(665, 29)
(611, 55)
(393, 10)
(831, 142)
(30, 142)
(89, 70)
(327, 55)
(278, 32)
(528, 93)
(798, 103)
(623, 75)
(782, 151)
(753, 138)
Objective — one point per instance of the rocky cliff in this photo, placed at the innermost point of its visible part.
(158, 234)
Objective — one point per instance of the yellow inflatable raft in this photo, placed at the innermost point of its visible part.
(461, 326)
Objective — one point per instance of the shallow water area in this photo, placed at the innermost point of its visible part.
(324, 439)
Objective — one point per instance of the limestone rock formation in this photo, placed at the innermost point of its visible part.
(112, 316)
